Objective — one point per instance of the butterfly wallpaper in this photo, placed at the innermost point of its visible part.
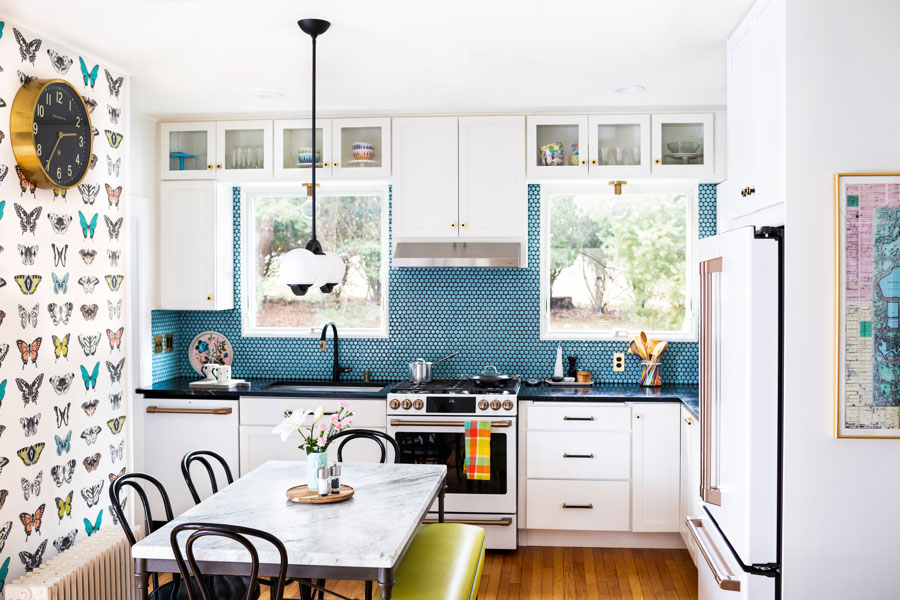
(63, 337)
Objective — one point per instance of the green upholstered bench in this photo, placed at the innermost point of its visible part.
(444, 562)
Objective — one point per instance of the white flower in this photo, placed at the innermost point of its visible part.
(318, 414)
(291, 423)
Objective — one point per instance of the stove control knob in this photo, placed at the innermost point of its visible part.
(406, 404)
(418, 404)
(495, 404)
(483, 404)
(508, 404)
(394, 404)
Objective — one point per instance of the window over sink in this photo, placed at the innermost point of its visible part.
(351, 220)
(613, 265)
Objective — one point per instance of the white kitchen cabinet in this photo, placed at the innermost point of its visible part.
(690, 477)
(619, 145)
(196, 246)
(683, 145)
(557, 146)
(187, 150)
(351, 139)
(243, 150)
(577, 505)
(172, 427)
(493, 199)
(757, 80)
(655, 467)
(426, 177)
(579, 455)
(291, 137)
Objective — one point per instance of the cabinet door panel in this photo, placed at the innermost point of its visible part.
(771, 126)
(244, 149)
(426, 182)
(655, 467)
(742, 90)
(350, 132)
(187, 253)
(187, 150)
(578, 455)
(492, 194)
(292, 141)
(577, 505)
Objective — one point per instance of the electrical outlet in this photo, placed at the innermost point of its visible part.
(170, 342)
(157, 343)
(619, 362)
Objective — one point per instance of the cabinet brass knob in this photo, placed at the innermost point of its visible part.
(453, 225)
(593, 161)
(208, 167)
(218, 166)
(336, 165)
(209, 298)
(750, 191)
(656, 162)
(584, 161)
(637, 416)
(462, 224)
(325, 164)
(689, 421)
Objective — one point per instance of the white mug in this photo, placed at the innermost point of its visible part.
(208, 371)
(222, 373)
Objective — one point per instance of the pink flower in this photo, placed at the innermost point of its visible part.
(321, 441)
(344, 405)
(339, 426)
(348, 423)
(322, 426)
(335, 419)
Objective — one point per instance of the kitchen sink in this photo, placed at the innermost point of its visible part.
(301, 388)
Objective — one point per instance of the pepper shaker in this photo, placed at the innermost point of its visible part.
(572, 372)
(335, 478)
(323, 480)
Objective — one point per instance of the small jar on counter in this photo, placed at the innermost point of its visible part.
(324, 484)
(335, 478)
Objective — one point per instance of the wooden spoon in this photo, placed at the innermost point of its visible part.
(646, 345)
(658, 350)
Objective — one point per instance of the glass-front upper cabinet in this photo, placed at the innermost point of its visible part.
(187, 150)
(294, 149)
(557, 146)
(619, 145)
(244, 149)
(361, 147)
(683, 145)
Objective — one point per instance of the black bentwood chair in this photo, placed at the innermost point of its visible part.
(202, 590)
(227, 587)
(200, 457)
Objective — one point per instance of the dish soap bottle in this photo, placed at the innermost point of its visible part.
(558, 367)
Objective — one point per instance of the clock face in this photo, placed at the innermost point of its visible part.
(62, 134)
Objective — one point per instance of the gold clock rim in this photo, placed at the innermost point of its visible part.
(21, 119)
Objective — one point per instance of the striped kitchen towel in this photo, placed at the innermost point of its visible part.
(478, 450)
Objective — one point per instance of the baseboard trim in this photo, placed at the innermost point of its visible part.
(599, 539)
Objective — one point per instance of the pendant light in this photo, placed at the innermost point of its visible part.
(303, 268)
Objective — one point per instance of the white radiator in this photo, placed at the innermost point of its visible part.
(97, 568)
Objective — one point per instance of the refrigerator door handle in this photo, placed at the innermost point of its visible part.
(725, 577)
(710, 366)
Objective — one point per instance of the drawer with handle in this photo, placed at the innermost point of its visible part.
(257, 410)
(578, 505)
(579, 455)
(579, 417)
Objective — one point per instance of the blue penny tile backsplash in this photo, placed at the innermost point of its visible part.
(489, 316)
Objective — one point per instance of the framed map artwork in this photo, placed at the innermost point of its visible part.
(867, 353)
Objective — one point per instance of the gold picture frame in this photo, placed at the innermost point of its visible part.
(857, 412)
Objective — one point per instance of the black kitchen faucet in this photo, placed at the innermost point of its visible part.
(336, 369)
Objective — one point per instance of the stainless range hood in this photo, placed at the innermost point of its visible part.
(458, 254)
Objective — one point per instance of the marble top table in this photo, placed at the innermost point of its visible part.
(362, 538)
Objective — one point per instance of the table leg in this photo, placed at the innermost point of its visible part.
(386, 583)
(141, 576)
(369, 590)
(441, 502)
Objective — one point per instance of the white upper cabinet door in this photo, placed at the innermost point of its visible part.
(243, 149)
(493, 198)
(683, 145)
(655, 465)
(741, 120)
(771, 124)
(362, 147)
(426, 177)
(619, 145)
(187, 150)
(557, 146)
(294, 149)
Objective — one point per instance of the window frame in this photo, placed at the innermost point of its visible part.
(690, 188)
(249, 276)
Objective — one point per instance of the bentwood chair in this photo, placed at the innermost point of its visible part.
(200, 456)
(227, 587)
(371, 434)
(206, 587)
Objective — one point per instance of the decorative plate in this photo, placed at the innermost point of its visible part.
(209, 347)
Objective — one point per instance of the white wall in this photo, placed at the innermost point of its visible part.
(842, 523)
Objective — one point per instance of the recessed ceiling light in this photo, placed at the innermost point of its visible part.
(627, 89)
(266, 95)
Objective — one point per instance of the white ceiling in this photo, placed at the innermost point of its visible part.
(401, 56)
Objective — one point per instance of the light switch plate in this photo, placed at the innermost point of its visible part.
(157, 343)
(619, 362)
(170, 342)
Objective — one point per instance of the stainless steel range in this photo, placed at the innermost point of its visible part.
(428, 422)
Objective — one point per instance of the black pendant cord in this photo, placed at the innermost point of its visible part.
(314, 138)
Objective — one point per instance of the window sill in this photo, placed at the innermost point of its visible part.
(313, 332)
(590, 336)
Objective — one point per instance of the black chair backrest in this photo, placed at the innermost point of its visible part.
(200, 456)
(150, 524)
(371, 434)
(237, 534)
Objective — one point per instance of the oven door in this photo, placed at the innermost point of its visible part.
(441, 441)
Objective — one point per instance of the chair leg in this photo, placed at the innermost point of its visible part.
(368, 590)
(321, 593)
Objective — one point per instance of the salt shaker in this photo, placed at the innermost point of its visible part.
(335, 478)
(323, 480)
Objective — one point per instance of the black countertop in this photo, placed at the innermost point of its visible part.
(686, 394)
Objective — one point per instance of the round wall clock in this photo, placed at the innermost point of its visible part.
(51, 133)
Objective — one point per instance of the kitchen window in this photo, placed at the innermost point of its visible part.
(616, 265)
(352, 221)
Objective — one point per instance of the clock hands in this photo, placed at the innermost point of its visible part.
(59, 138)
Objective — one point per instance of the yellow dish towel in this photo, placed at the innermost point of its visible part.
(478, 450)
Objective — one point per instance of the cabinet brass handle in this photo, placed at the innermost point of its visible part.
(587, 506)
(751, 191)
(566, 455)
(567, 418)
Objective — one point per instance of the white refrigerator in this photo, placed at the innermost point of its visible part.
(738, 528)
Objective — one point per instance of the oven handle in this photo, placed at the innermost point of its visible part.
(504, 522)
(404, 423)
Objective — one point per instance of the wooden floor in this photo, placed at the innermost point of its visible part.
(573, 574)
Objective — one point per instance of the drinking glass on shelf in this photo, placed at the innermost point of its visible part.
(237, 157)
(259, 157)
(604, 155)
(619, 155)
(636, 155)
